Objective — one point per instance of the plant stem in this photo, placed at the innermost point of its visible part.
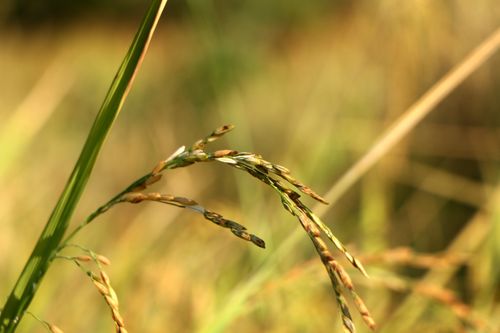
(169, 164)
(102, 209)
(38, 263)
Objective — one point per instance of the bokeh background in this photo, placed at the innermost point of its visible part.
(309, 85)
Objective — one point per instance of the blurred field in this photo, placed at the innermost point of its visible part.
(309, 85)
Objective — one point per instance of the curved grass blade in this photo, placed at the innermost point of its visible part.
(43, 253)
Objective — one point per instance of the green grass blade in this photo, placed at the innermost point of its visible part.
(39, 261)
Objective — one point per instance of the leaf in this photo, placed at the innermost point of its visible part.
(43, 253)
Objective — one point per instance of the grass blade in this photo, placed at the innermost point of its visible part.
(43, 253)
(414, 115)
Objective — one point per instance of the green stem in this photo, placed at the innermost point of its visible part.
(175, 162)
(103, 209)
(38, 263)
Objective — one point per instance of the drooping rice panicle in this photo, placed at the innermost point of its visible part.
(270, 174)
(264, 166)
(251, 165)
(217, 133)
(347, 323)
(312, 224)
(103, 285)
(363, 310)
(326, 259)
(236, 228)
(335, 270)
(328, 232)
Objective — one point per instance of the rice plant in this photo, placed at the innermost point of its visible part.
(58, 240)
(264, 171)
(52, 240)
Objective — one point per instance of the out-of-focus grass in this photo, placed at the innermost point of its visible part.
(310, 91)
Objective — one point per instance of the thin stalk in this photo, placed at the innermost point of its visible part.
(413, 116)
(102, 209)
(47, 245)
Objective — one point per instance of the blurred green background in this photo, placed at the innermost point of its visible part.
(309, 85)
